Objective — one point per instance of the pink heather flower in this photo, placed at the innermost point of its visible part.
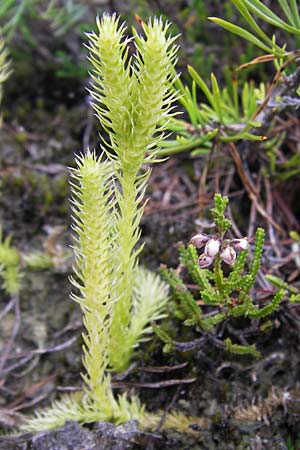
(241, 244)
(199, 240)
(228, 255)
(205, 260)
(212, 247)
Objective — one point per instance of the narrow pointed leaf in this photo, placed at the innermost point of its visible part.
(241, 32)
(202, 85)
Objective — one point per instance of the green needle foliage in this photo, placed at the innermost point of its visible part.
(249, 9)
(226, 115)
(229, 114)
(118, 299)
(62, 15)
(221, 296)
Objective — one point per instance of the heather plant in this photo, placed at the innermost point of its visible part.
(119, 299)
(222, 296)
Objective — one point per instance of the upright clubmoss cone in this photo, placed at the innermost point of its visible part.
(133, 102)
(92, 267)
(111, 90)
(154, 76)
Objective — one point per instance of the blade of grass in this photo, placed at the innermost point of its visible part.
(267, 15)
(247, 16)
(287, 11)
(193, 144)
(202, 85)
(242, 33)
(242, 136)
(295, 11)
(6, 6)
(245, 98)
(217, 97)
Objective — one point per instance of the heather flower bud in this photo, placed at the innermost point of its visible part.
(228, 255)
(241, 244)
(205, 260)
(212, 247)
(199, 240)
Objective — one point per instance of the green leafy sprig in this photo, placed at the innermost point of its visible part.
(225, 116)
(220, 297)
